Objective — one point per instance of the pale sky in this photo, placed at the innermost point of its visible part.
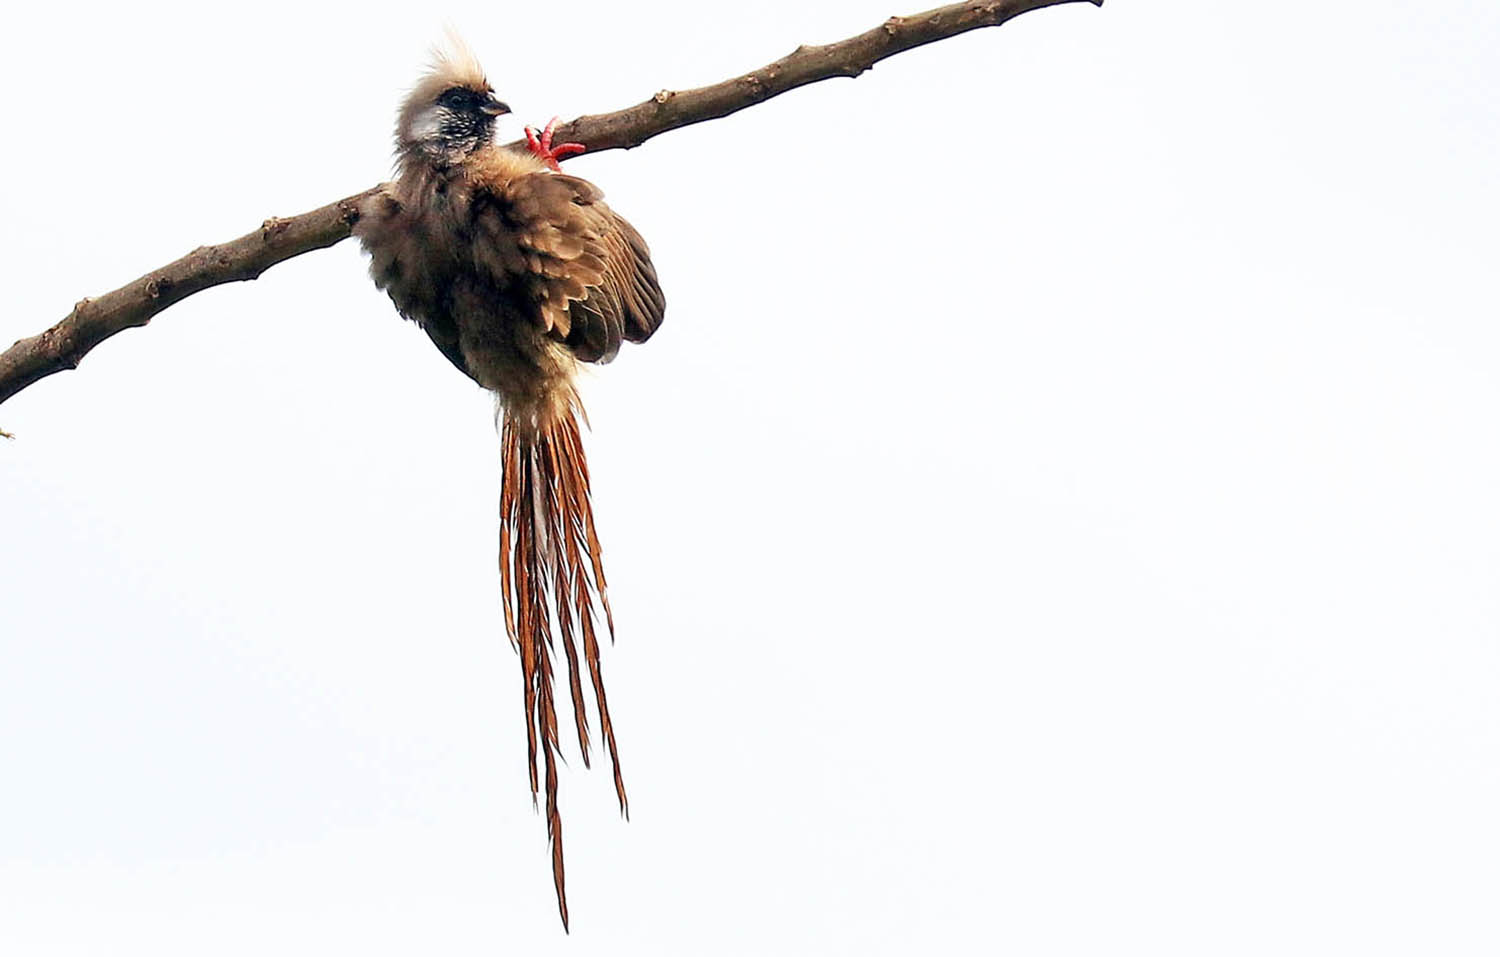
(1060, 514)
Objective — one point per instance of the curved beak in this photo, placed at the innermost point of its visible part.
(493, 107)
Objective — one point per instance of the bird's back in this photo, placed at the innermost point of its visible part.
(515, 272)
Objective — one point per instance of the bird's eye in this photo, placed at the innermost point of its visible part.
(456, 99)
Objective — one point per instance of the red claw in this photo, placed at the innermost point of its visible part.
(541, 145)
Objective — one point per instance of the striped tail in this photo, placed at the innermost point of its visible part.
(552, 578)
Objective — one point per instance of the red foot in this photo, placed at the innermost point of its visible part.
(541, 145)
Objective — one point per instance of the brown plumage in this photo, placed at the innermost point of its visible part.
(518, 273)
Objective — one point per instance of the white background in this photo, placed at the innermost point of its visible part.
(1060, 515)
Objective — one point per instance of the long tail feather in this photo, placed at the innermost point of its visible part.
(552, 576)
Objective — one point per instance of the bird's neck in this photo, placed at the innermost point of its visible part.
(489, 165)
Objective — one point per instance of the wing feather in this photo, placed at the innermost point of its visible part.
(589, 271)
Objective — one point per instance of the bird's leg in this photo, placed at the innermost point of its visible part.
(541, 146)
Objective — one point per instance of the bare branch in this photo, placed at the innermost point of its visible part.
(93, 320)
(670, 110)
(133, 304)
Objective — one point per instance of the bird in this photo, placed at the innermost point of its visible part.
(519, 273)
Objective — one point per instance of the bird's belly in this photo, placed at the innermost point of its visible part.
(506, 351)
(487, 327)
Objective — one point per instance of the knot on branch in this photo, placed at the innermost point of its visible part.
(63, 343)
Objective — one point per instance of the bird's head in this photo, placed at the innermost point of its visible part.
(450, 112)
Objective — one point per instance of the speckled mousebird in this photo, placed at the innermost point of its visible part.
(518, 273)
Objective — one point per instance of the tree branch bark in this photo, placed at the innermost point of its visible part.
(93, 320)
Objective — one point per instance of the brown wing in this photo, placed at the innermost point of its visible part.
(588, 270)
